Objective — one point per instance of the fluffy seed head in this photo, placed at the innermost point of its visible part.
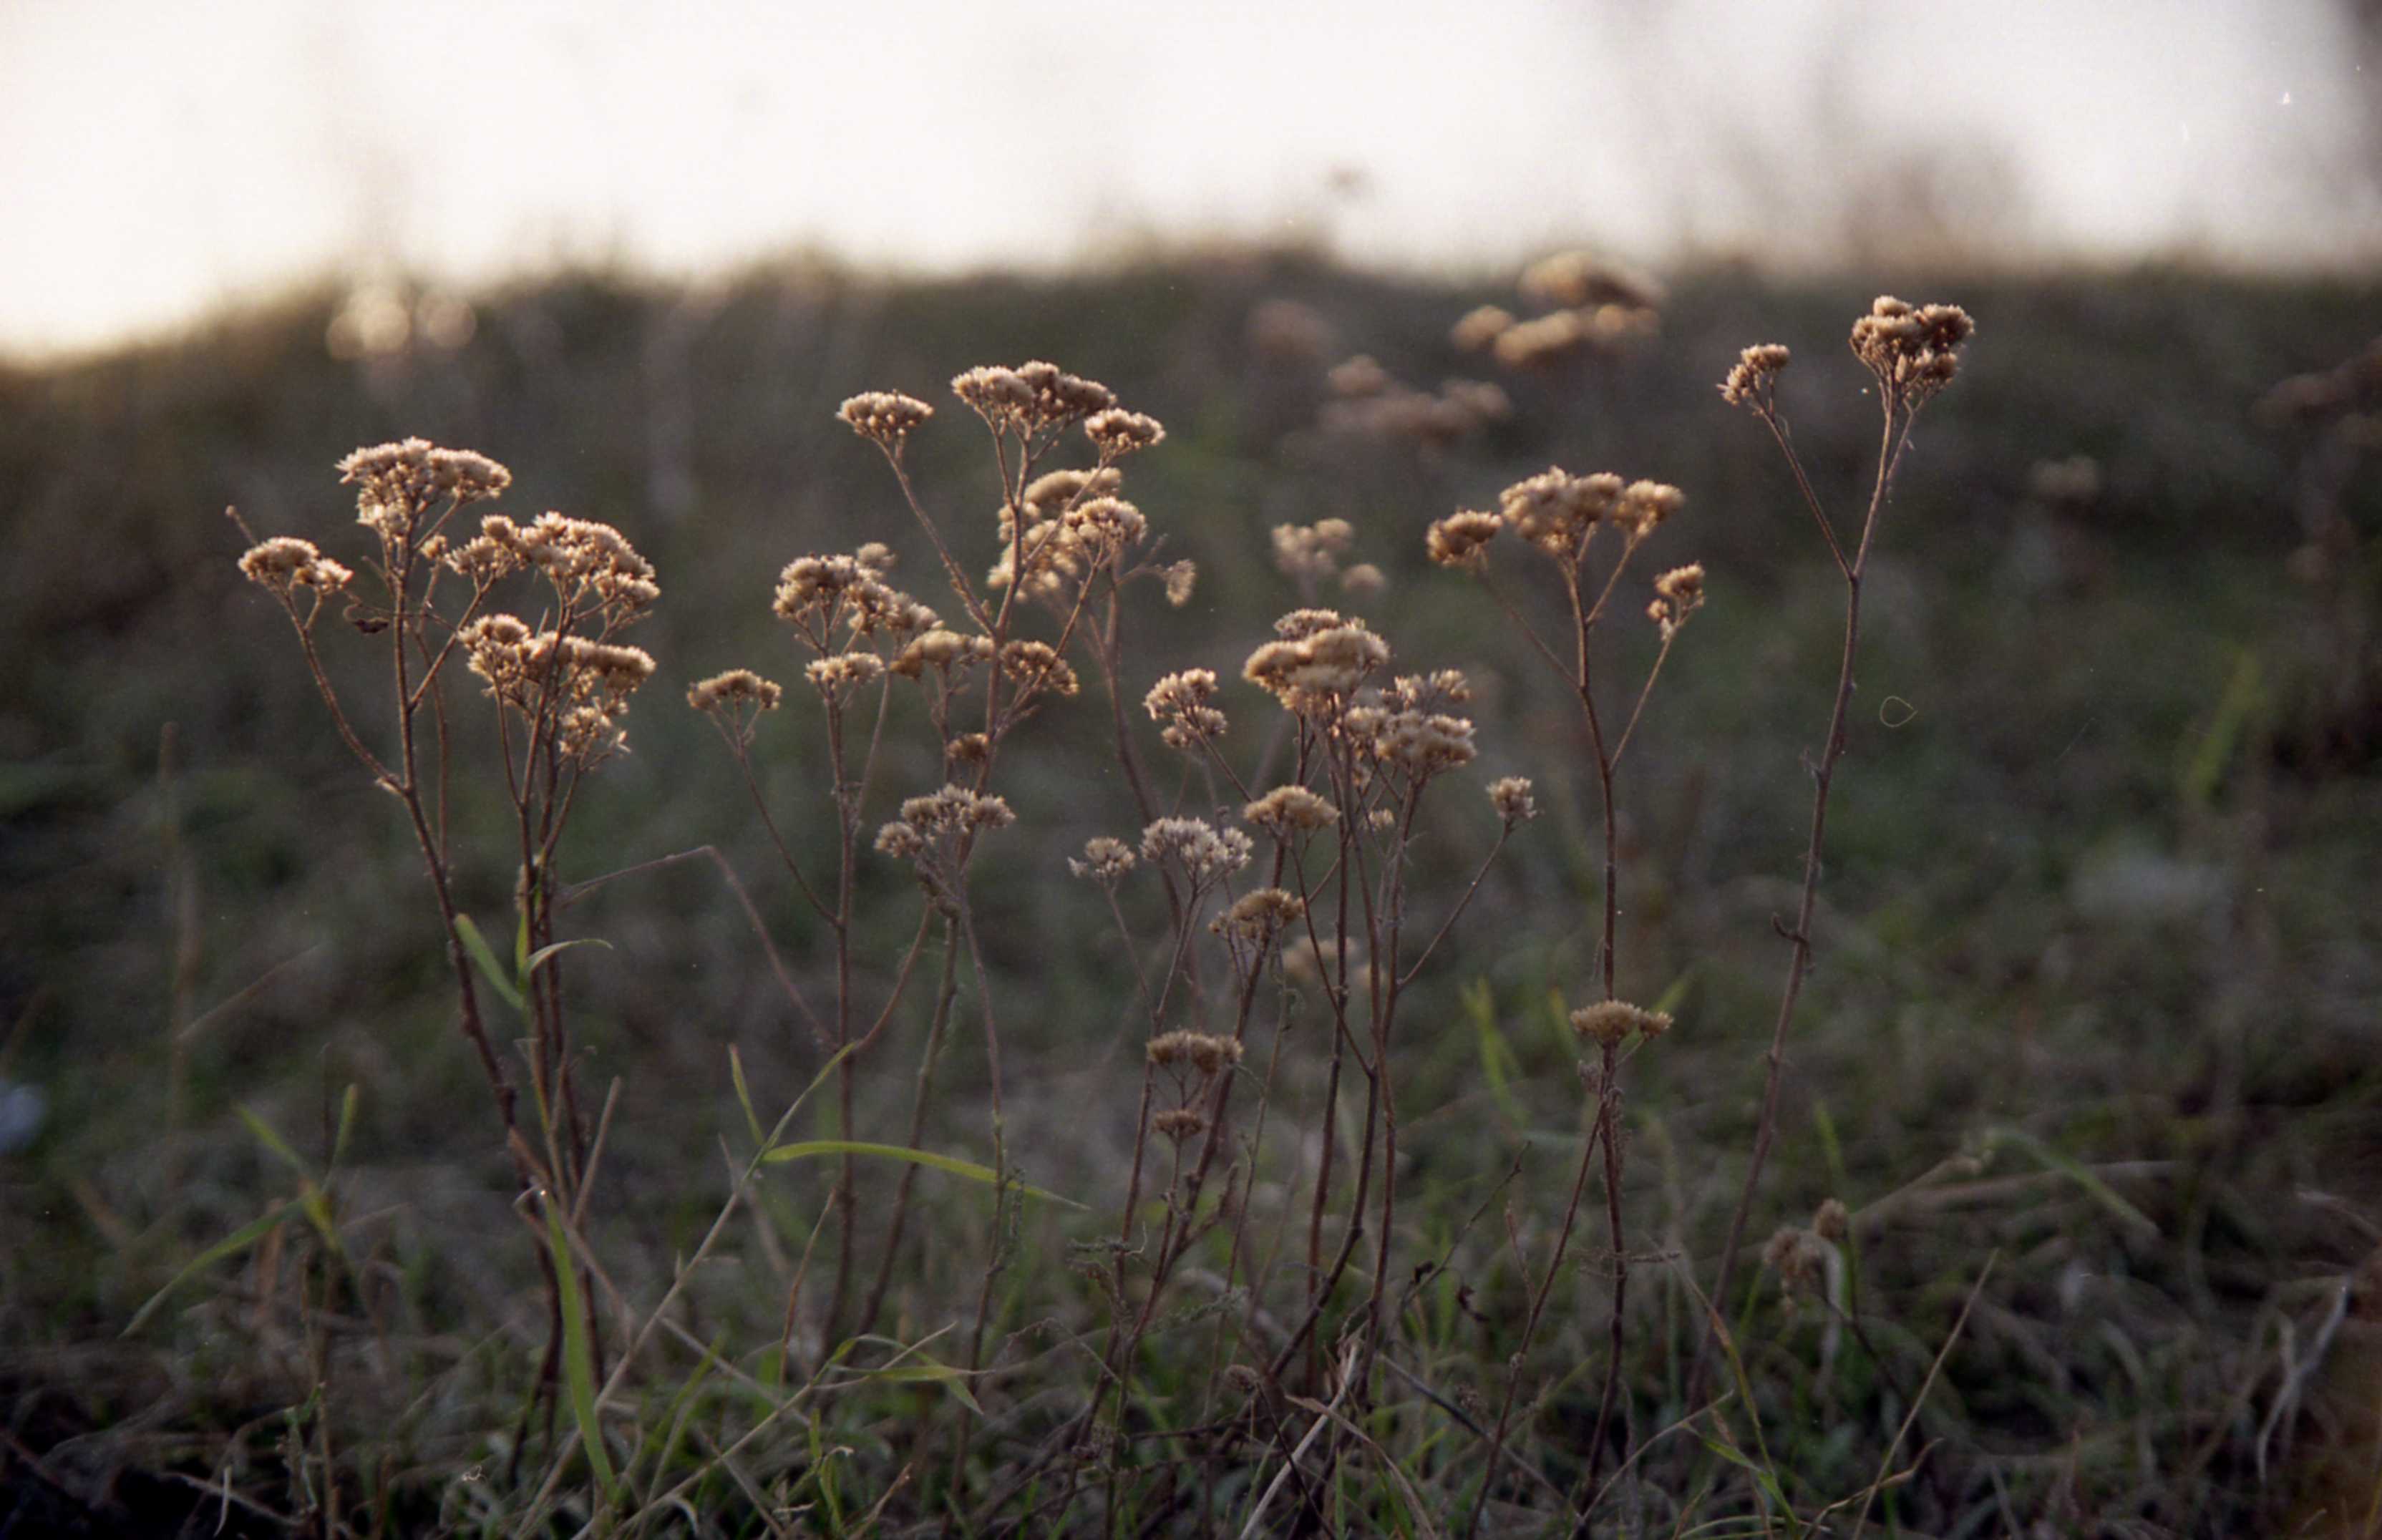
(1608, 1022)
(1462, 538)
(1104, 860)
(1511, 796)
(1753, 380)
(1287, 812)
(1677, 594)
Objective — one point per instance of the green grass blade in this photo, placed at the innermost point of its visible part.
(2074, 1170)
(236, 1241)
(493, 971)
(812, 1148)
(347, 1106)
(930, 1372)
(745, 1095)
(578, 1355)
(274, 1142)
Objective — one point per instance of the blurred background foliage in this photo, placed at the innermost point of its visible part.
(2103, 856)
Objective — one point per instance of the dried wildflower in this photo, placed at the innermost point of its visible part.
(1105, 527)
(1799, 1257)
(1382, 819)
(995, 394)
(1834, 1222)
(1480, 328)
(1677, 594)
(1180, 1123)
(1317, 672)
(954, 809)
(1203, 1051)
(816, 592)
(737, 687)
(1289, 811)
(579, 686)
(285, 564)
(1117, 432)
(884, 417)
(1060, 397)
(587, 562)
(1556, 511)
(1424, 743)
(1913, 352)
(1462, 538)
(1577, 278)
(1511, 796)
(1180, 578)
(1644, 506)
(1193, 844)
(840, 675)
(1105, 860)
(1051, 493)
(1753, 380)
(1608, 1022)
(968, 749)
(899, 839)
(1184, 702)
(1035, 666)
(1300, 624)
(1307, 551)
(1288, 331)
(1360, 377)
(1261, 915)
(398, 484)
(942, 651)
(1364, 580)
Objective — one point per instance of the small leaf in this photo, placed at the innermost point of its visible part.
(537, 959)
(477, 944)
(957, 1167)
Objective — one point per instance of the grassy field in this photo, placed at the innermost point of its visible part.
(2088, 1054)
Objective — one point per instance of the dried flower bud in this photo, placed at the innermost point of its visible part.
(1180, 1123)
(1181, 579)
(1461, 539)
(735, 688)
(1753, 380)
(884, 417)
(1105, 860)
(1480, 328)
(1608, 1022)
(1834, 1222)
(1799, 1257)
(1287, 812)
(1117, 432)
(1511, 796)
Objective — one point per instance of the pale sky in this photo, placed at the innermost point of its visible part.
(158, 157)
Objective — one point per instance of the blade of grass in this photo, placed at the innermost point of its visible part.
(578, 1355)
(812, 1148)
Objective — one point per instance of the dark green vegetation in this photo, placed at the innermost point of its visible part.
(2100, 963)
